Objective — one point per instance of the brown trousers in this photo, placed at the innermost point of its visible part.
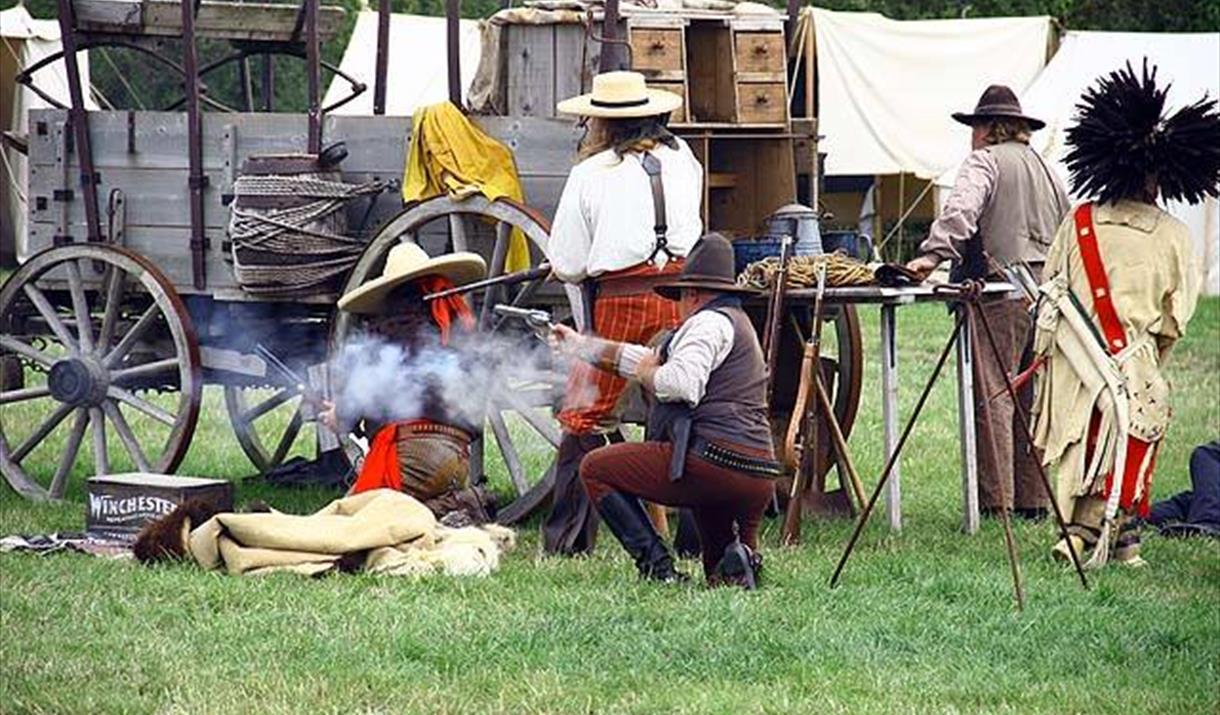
(718, 497)
(432, 464)
(1008, 472)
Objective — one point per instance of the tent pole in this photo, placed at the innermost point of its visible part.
(383, 56)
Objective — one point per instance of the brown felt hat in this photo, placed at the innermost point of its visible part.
(708, 267)
(998, 101)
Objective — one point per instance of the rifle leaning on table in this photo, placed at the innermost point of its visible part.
(801, 445)
(775, 314)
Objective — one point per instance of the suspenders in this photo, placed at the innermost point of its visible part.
(652, 167)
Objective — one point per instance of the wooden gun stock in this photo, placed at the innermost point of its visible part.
(801, 444)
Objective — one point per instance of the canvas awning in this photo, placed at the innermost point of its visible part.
(886, 87)
(418, 70)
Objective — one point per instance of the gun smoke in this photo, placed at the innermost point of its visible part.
(376, 379)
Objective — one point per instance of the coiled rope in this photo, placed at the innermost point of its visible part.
(841, 270)
(290, 250)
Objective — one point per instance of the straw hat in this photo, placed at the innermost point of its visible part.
(621, 95)
(405, 262)
(997, 101)
(708, 267)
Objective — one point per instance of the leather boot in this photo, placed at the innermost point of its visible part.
(571, 526)
(627, 520)
(738, 567)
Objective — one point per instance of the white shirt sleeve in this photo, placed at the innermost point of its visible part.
(571, 235)
(700, 346)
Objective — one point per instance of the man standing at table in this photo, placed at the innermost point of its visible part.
(1003, 211)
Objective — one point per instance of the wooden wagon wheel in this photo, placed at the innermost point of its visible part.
(528, 405)
(98, 329)
(269, 421)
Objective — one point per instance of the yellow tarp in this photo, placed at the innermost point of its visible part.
(450, 155)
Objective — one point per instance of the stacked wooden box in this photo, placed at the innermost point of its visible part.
(729, 71)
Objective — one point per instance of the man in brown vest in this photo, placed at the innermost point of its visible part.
(1004, 209)
(709, 441)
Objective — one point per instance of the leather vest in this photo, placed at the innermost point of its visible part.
(734, 404)
(1019, 222)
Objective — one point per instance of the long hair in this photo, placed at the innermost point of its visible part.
(1121, 143)
(1008, 129)
(626, 135)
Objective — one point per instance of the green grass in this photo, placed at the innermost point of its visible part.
(923, 621)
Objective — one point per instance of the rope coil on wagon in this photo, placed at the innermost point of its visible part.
(293, 248)
(841, 270)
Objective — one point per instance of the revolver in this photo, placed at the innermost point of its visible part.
(539, 321)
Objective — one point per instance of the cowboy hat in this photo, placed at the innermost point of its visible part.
(621, 95)
(405, 262)
(708, 267)
(997, 101)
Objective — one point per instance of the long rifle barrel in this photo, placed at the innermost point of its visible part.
(532, 274)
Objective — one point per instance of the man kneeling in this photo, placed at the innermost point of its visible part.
(709, 444)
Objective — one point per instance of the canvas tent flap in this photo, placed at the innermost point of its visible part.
(1186, 62)
(886, 88)
(418, 72)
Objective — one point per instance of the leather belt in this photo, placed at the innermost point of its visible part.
(722, 456)
(435, 428)
(633, 285)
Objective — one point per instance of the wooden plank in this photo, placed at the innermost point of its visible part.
(889, 412)
(531, 71)
(570, 61)
(229, 20)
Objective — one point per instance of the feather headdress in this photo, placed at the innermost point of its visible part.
(1121, 138)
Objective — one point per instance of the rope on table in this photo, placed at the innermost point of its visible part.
(841, 270)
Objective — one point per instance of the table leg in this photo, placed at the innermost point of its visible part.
(965, 421)
(889, 411)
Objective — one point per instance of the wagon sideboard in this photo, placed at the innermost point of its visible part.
(141, 160)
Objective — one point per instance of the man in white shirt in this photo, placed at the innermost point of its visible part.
(628, 215)
(709, 440)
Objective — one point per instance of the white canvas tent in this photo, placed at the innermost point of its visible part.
(25, 41)
(1189, 62)
(418, 73)
(886, 87)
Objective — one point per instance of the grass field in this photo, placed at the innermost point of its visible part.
(923, 621)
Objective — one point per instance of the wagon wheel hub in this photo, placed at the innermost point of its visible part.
(78, 381)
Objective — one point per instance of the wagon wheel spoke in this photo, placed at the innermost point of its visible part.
(112, 281)
(75, 437)
(288, 438)
(80, 308)
(512, 461)
(126, 436)
(499, 255)
(457, 232)
(47, 311)
(43, 430)
(141, 404)
(268, 404)
(133, 335)
(542, 425)
(97, 422)
(26, 351)
(144, 369)
(24, 394)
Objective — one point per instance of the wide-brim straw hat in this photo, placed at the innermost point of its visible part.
(708, 267)
(621, 95)
(406, 262)
(997, 102)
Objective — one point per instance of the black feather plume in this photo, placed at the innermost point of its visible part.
(1120, 139)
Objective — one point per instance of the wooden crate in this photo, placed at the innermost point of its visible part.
(712, 89)
(123, 503)
(223, 20)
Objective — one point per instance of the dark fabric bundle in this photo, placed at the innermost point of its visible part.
(1120, 138)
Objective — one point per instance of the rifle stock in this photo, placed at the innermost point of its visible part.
(802, 442)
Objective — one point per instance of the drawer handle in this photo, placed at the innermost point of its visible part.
(762, 99)
(760, 50)
(656, 47)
